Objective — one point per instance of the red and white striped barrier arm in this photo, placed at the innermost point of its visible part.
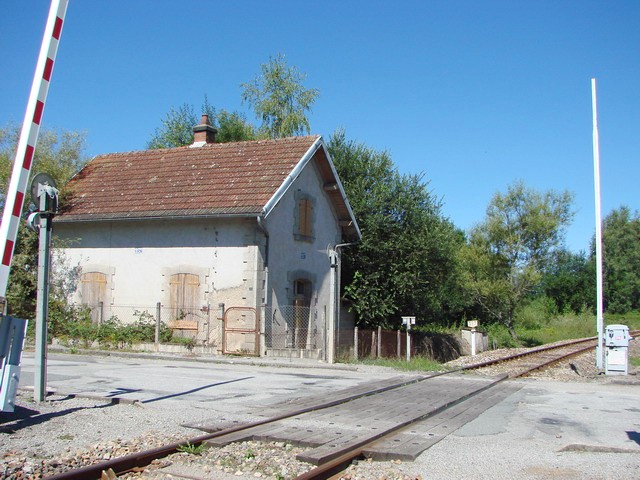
(28, 138)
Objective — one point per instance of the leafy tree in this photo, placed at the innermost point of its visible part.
(60, 154)
(569, 279)
(279, 100)
(621, 260)
(177, 126)
(406, 261)
(507, 253)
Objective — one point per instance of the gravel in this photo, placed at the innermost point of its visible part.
(40, 440)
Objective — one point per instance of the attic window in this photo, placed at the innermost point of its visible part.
(304, 217)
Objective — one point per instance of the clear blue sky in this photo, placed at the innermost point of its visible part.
(474, 94)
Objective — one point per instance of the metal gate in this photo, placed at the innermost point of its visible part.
(241, 331)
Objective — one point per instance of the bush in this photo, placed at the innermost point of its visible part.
(500, 337)
(537, 313)
(73, 324)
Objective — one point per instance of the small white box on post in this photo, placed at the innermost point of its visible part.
(407, 322)
(473, 325)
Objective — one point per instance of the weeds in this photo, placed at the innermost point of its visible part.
(191, 449)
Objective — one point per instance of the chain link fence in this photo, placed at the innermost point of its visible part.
(201, 325)
(288, 329)
(294, 327)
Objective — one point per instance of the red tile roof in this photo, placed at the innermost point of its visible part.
(214, 179)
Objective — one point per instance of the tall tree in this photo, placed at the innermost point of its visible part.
(621, 260)
(60, 154)
(406, 261)
(279, 99)
(177, 126)
(569, 280)
(508, 251)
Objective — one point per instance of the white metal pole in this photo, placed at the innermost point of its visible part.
(28, 139)
(408, 342)
(596, 176)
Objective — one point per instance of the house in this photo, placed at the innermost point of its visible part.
(231, 244)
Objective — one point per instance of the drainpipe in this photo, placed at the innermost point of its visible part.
(263, 321)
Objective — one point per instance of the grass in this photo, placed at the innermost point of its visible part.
(564, 327)
(415, 364)
(191, 449)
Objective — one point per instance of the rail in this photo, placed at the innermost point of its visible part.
(328, 469)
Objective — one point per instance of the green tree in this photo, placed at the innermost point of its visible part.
(279, 99)
(406, 262)
(569, 280)
(507, 252)
(60, 154)
(177, 126)
(621, 260)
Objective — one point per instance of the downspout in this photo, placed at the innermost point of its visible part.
(263, 310)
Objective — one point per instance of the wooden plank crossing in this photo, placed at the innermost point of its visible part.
(386, 412)
(339, 395)
(410, 442)
(331, 431)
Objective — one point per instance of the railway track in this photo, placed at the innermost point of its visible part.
(422, 404)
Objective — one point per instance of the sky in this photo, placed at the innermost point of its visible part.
(473, 95)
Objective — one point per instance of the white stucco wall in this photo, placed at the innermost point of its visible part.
(139, 257)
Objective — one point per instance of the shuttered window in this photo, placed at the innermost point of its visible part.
(304, 220)
(93, 292)
(184, 299)
(93, 288)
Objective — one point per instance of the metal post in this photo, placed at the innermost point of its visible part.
(398, 344)
(158, 321)
(408, 345)
(379, 350)
(596, 176)
(208, 340)
(42, 309)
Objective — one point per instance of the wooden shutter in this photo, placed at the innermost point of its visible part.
(93, 288)
(305, 211)
(93, 291)
(184, 298)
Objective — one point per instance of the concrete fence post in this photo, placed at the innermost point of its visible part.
(373, 344)
(355, 343)
(379, 352)
(398, 344)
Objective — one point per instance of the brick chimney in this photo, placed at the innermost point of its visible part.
(203, 133)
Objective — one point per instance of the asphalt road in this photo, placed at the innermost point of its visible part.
(169, 381)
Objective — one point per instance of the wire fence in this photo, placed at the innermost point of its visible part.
(287, 327)
(295, 327)
(201, 325)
